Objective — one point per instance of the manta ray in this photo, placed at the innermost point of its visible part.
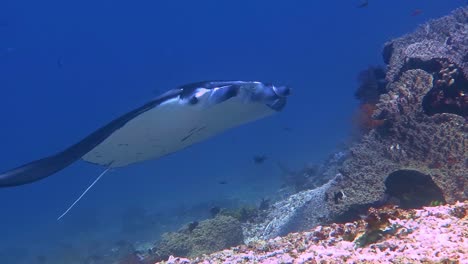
(171, 122)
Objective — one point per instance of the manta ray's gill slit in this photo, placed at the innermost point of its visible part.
(192, 132)
(186, 137)
(193, 129)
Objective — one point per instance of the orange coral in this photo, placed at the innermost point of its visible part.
(363, 118)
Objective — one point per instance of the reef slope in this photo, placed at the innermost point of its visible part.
(417, 149)
(388, 235)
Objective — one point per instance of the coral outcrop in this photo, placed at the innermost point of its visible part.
(206, 237)
(443, 39)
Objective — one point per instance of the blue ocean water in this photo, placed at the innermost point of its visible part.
(67, 68)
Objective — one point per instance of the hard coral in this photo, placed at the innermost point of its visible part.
(440, 39)
(378, 225)
(210, 235)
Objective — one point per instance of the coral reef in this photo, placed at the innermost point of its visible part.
(208, 236)
(386, 235)
(440, 48)
(443, 39)
(416, 154)
(244, 213)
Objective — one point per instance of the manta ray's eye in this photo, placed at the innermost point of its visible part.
(193, 100)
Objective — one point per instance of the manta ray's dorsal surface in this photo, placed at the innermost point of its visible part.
(175, 120)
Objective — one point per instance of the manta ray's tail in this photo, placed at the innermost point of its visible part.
(83, 194)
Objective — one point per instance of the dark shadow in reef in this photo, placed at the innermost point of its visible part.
(372, 84)
(412, 189)
(409, 189)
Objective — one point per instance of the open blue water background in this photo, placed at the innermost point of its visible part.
(68, 67)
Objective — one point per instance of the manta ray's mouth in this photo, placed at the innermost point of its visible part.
(281, 91)
(279, 97)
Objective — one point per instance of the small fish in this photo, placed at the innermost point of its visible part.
(416, 12)
(363, 4)
(222, 182)
(259, 159)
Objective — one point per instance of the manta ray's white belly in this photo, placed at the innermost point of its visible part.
(170, 127)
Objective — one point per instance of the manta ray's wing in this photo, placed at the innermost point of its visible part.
(47, 166)
(202, 110)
